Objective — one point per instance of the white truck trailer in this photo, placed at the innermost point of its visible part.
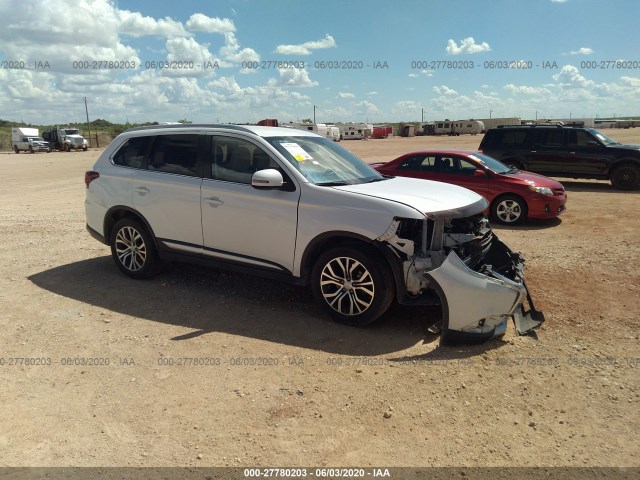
(25, 139)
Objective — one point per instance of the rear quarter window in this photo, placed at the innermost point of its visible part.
(132, 153)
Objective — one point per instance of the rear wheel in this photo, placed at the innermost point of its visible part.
(626, 177)
(15, 149)
(133, 250)
(30, 149)
(513, 164)
(67, 148)
(353, 285)
(509, 209)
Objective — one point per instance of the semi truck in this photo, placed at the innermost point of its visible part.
(28, 140)
(65, 139)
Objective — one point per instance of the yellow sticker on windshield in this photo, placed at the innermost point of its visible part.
(296, 151)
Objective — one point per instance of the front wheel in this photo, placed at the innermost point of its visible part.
(509, 210)
(133, 250)
(15, 149)
(626, 177)
(354, 286)
(67, 148)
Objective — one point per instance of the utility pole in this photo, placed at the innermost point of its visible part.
(314, 114)
(422, 116)
(490, 112)
(86, 110)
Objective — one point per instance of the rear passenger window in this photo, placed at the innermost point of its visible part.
(550, 138)
(516, 138)
(132, 153)
(175, 154)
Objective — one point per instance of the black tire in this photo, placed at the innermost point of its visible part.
(30, 149)
(67, 148)
(356, 302)
(509, 209)
(84, 149)
(133, 250)
(15, 149)
(626, 177)
(513, 164)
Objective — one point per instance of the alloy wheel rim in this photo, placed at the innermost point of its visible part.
(509, 211)
(131, 249)
(347, 286)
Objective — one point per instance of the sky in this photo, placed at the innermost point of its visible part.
(240, 61)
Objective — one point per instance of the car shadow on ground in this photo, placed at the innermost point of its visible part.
(207, 300)
(530, 224)
(603, 186)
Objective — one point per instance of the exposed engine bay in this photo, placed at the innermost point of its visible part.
(461, 264)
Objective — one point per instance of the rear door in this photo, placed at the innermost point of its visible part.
(167, 192)
(547, 151)
(240, 223)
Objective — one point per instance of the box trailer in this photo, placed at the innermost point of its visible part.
(458, 127)
(28, 140)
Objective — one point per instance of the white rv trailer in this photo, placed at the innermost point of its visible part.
(458, 127)
(354, 131)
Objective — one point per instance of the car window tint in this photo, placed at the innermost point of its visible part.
(579, 138)
(513, 138)
(236, 160)
(428, 164)
(132, 153)
(175, 154)
(550, 137)
(464, 167)
(411, 163)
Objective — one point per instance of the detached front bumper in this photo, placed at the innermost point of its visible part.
(476, 305)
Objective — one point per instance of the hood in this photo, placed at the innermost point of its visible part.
(628, 147)
(433, 199)
(533, 179)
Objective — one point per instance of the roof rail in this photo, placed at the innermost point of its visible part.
(189, 125)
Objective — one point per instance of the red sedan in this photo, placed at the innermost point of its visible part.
(513, 195)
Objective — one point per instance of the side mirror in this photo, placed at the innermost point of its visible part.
(479, 173)
(268, 178)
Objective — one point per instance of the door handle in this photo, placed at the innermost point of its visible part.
(534, 151)
(572, 153)
(214, 201)
(142, 190)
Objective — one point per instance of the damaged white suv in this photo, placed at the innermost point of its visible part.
(293, 205)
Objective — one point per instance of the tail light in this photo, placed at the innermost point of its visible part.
(90, 176)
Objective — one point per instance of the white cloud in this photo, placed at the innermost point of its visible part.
(306, 47)
(582, 51)
(405, 107)
(345, 95)
(199, 22)
(444, 90)
(570, 77)
(523, 89)
(232, 52)
(372, 93)
(295, 77)
(559, 1)
(135, 25)
(413, 75)
(467, 46)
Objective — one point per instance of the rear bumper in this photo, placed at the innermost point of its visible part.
(476, 306)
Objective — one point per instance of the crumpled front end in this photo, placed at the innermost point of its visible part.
(477, 305)
(460, 264)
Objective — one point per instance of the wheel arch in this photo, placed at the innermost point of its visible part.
(623, 162)
(329, 240)
(117, 213)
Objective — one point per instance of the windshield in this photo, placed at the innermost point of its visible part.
(323, 162)
(71, 131)
(491, 163)
(602, 137)
(37, 139)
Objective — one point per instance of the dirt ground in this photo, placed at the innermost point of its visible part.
(200, 367)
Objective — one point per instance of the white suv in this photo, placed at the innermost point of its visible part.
(293, 205)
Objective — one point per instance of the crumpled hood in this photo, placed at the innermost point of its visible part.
(433, 199)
